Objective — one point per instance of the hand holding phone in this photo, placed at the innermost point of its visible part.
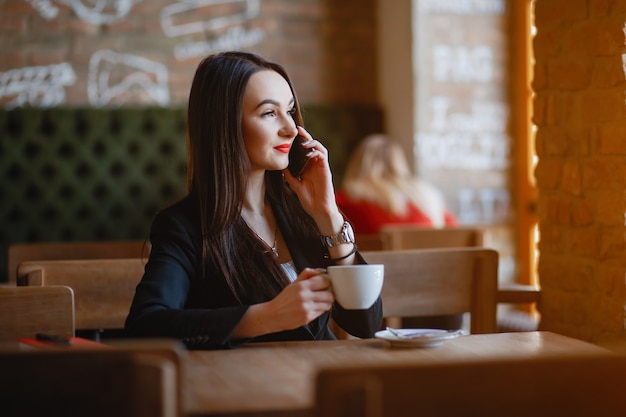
(298, 157)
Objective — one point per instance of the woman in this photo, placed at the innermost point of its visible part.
(378, 189)
(241, 257)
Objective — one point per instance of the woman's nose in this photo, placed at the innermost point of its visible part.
(290, 129)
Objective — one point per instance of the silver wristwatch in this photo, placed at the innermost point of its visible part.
(345, 236)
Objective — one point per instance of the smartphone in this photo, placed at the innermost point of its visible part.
(298, 157)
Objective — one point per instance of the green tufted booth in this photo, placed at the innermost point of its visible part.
(74, 174)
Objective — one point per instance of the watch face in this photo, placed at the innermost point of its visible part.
(347, 234)
(349, 231)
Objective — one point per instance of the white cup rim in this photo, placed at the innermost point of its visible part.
(352, 266)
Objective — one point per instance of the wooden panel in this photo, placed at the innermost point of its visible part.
(427, 282)
(95, 383)
(519, 294)
(546, 387)
(26, 311)
(48, 251)
(170, 349)
(103, 288)
(415, 237)
(368, 242)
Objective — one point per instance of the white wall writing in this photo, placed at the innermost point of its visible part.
(46, 9)
(476, 140)
(462, 150)
(483, 205)
(462, 141)
(462, 6)
(223, 28)
(235, 38)
(178, 19)
(97, 12)
(483, 116)
(42, 86)
(463, 64)
(114, 78)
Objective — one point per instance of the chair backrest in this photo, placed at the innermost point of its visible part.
(445, 281)
(48, 251)
(103, 288)
(367, 242)
(540, 387)
(26, 311)
(93, 382)
(394, 237)
(171, 349)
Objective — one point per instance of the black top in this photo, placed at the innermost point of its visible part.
(173, 300)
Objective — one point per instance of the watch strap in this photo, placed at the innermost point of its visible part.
(342, 237)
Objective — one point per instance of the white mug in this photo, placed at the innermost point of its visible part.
(356, 287)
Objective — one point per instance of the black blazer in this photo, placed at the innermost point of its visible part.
(173, 301)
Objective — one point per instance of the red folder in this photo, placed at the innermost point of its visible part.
(74, 343)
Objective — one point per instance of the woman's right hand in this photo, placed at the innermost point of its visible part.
(299, 303)
(302, 301)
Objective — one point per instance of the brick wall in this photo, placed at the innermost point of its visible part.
(580, 112)
(56, 52)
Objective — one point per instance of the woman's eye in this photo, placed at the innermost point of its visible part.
(268, 113)
(292, 111)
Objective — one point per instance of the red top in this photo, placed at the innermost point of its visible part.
(368, 218)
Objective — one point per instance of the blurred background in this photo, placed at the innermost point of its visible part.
(93, 96)
(115, 76)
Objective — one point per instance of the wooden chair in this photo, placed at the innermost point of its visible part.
(367, 242)
(393, 237)
(103, 288)
(396, 237)
(443, 281)
(171, 349)
(26, 311)
(92, 382)
(47, 251)
(538, 387)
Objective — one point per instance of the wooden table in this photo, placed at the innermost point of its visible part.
(275, 379)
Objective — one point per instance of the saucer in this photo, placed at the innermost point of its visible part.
(417, 337)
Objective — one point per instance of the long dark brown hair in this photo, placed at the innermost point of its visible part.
(218, 166)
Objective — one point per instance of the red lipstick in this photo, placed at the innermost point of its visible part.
(283, 148)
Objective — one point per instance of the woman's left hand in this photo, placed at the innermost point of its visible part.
(315, 186)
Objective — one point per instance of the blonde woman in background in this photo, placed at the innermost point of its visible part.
(379, 188)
